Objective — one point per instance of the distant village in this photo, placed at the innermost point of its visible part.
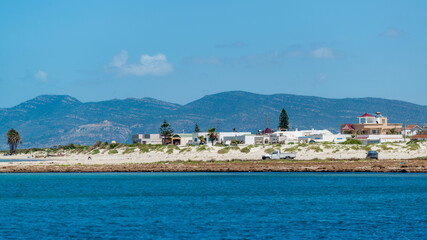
(369, 129)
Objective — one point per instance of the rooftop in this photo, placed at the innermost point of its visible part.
(366, 115)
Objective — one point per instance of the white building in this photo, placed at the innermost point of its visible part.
(336, 138)
(147, 138)
(307, 136)
(222, 137)
(411, 130)
(374, 138)
(184, 139)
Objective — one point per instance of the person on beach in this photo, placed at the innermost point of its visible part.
(89, 158)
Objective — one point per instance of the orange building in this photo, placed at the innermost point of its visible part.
(369, 124)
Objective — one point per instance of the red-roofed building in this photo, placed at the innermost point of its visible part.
(412, 130)
(366, 115)
(267, 131)
(369, 124)
(419, 137)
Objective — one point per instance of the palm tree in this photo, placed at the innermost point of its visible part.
(202, 140)
(212, 135)
(13, 140)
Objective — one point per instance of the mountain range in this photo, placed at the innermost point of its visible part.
(51, 120)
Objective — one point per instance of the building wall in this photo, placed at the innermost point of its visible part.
(147, 138)
(221, 136)
(366, 139)
(363, 129)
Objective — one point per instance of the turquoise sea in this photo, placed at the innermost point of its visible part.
(213, 206)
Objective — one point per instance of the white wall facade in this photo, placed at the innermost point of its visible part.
(147, 138)
(366, 139)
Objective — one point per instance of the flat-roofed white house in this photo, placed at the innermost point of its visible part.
(180, 139)
(222, 137)
(305, 136)
(147, 138)
(374, 138)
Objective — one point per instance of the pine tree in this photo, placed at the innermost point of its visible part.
(165, 131)
(196, 129)
(283, 120)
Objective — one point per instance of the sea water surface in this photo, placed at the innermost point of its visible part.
(213, 205)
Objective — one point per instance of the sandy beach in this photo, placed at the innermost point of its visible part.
(313, 157)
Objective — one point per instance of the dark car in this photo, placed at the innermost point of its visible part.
(372, 155)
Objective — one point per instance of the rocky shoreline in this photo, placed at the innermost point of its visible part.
(416, 166)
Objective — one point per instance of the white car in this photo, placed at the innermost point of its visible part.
(278, 155)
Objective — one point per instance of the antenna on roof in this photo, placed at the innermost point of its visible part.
(266, 121)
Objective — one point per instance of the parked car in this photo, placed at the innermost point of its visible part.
(372, 155)
(278, 155)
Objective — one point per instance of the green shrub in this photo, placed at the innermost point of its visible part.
(169, 151)
(173, 147)
(114, 151)
(218, 144)
(202, 148)
(245, 149)
(292, 149)
(185, 150)
(69, 146)
(351, 141)
(269, 150)
(315, 148)
(95, 151)
(224, 150)
(366, 147)
(384, 147)
(129, 150)
(103, 145)
(234, 148)
(356, 147)
(412, 145)
(97, 144)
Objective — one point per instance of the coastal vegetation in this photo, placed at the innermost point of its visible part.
(212, 135)
(283, 120)
(219, 151)
(352, 141)
(114, 151)
(13, 140)
(166, 131)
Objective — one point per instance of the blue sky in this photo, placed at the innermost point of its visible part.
(179, 51)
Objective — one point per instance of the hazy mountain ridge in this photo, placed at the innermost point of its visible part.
(50, 120)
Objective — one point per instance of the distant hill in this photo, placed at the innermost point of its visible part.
(50, 120)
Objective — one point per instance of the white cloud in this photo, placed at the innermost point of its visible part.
(393, 33)
(149, 65)
(323, 52)
(41, 76)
